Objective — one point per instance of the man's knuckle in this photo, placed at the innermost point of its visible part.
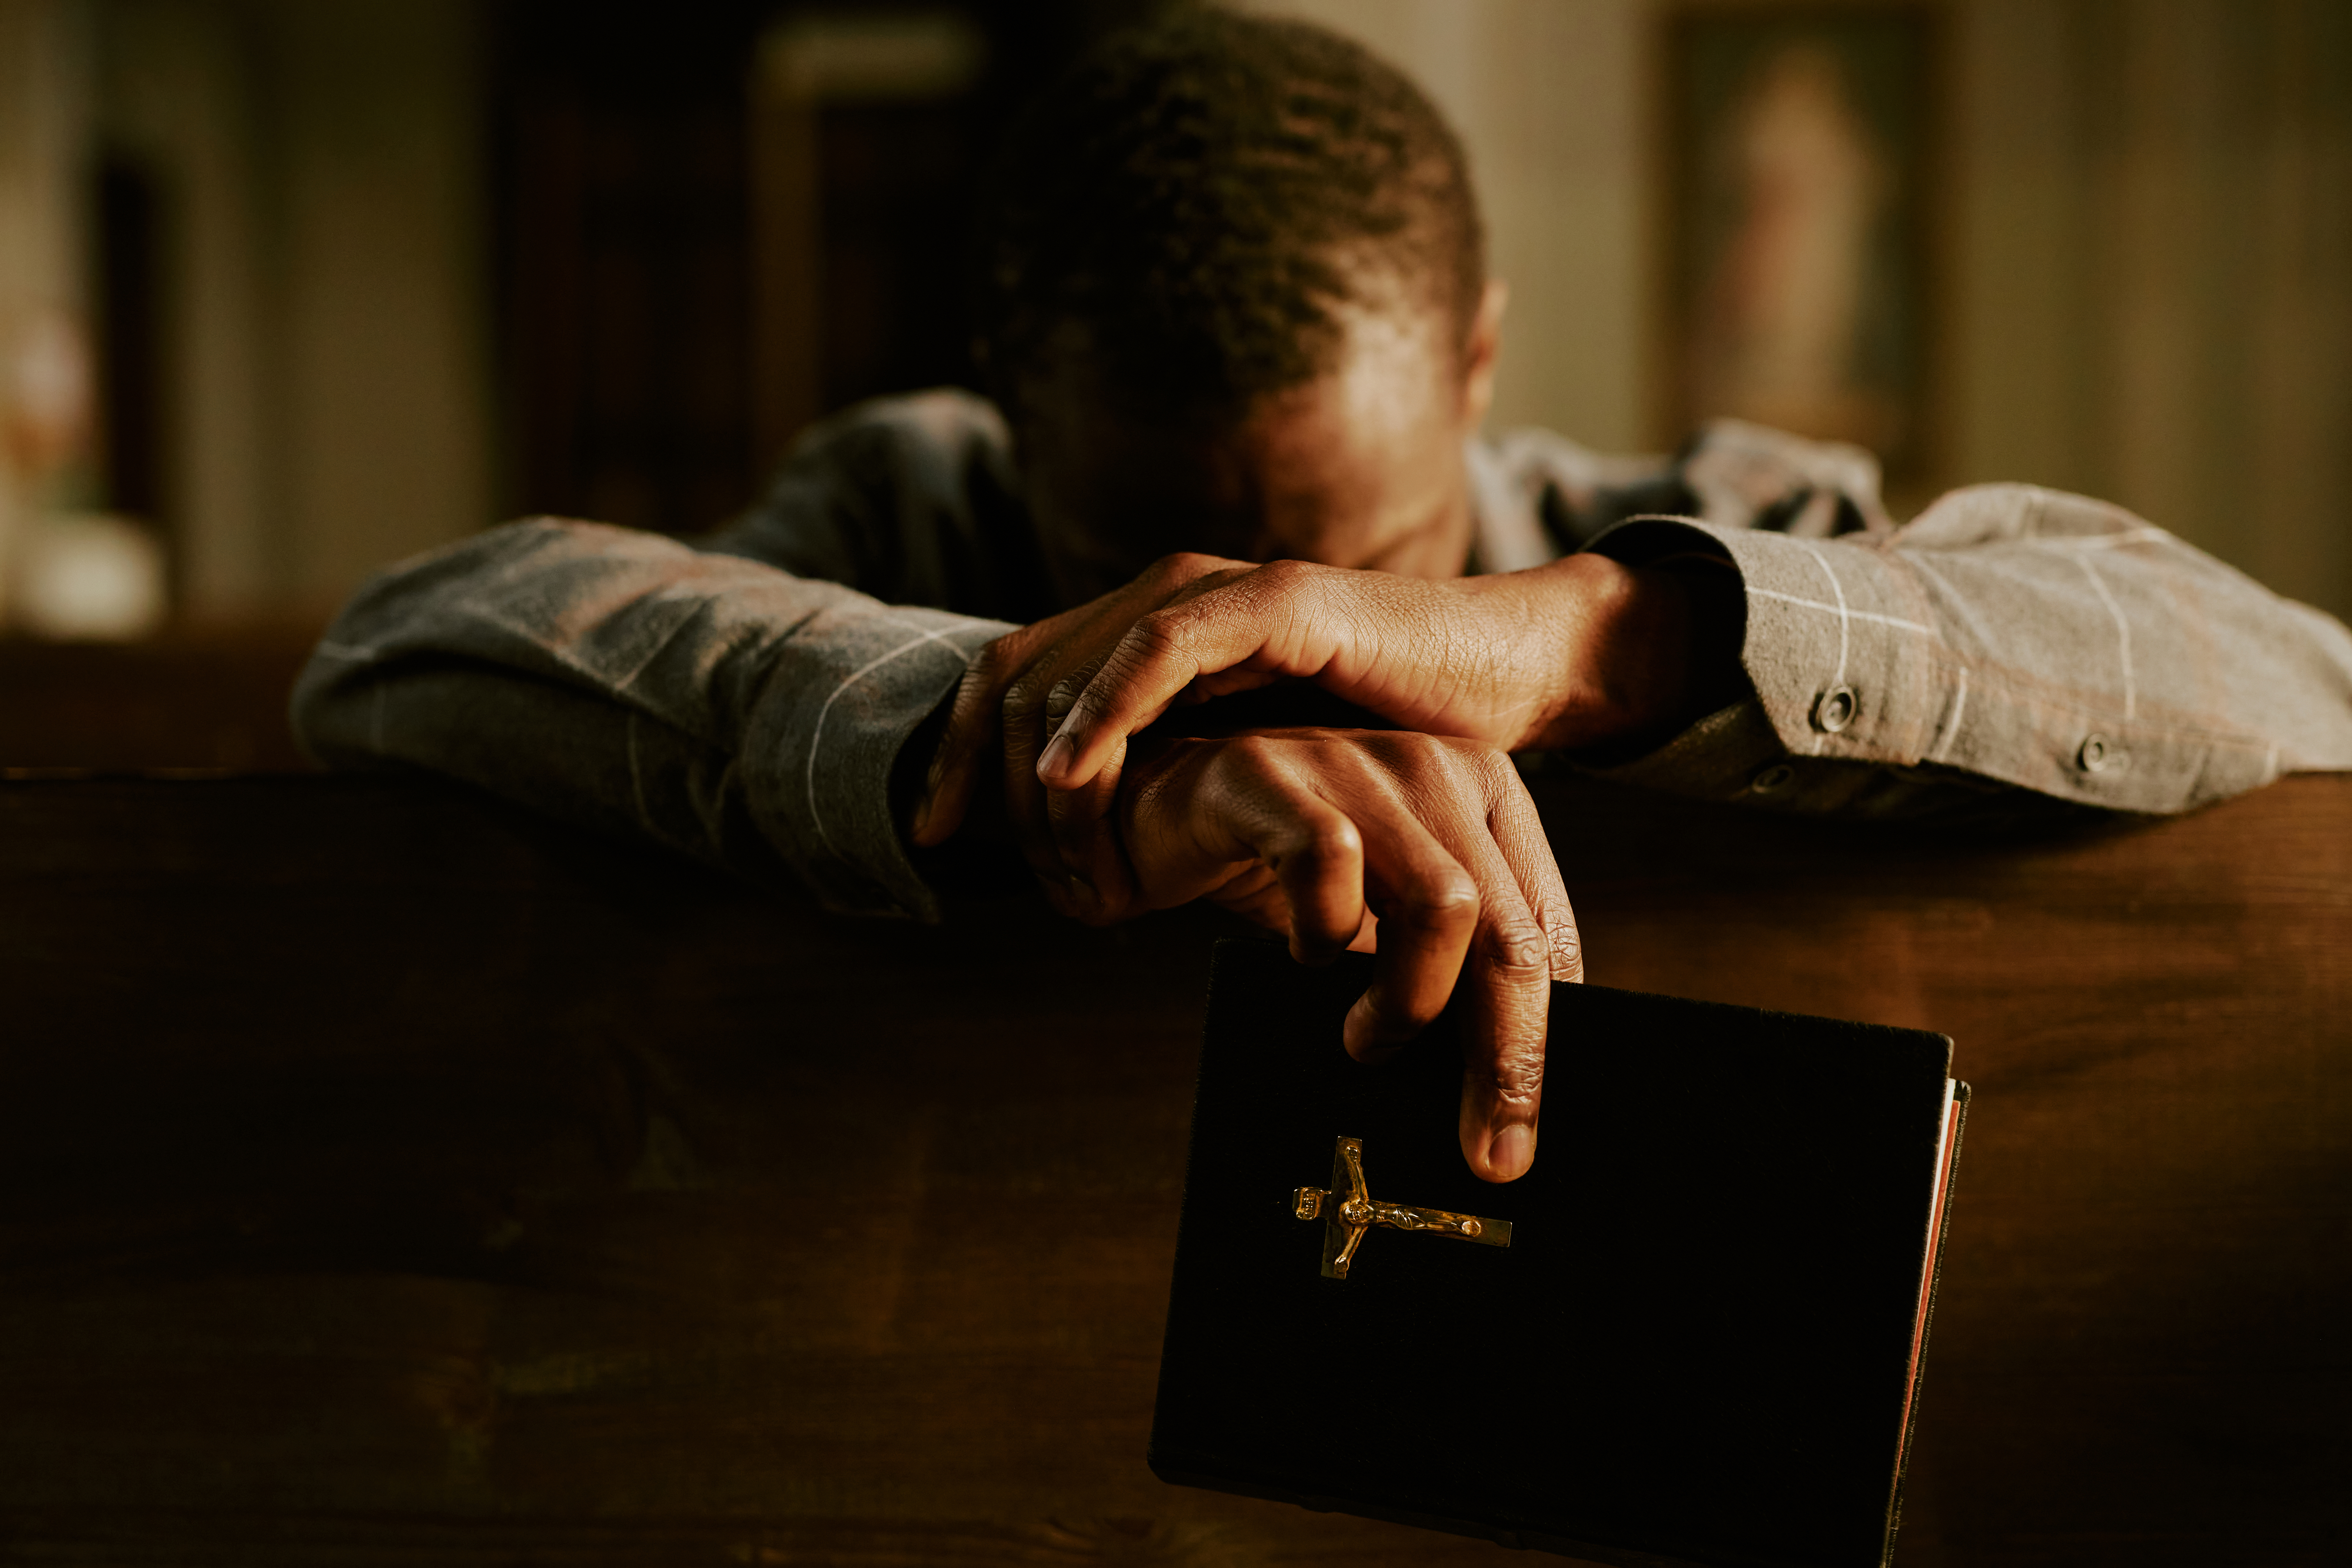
(1185, 565)
(1338, 839)
(1445, 897)
(1566, 951)
(1393, 1017)
(1520, 949)
(1325, 845)
(992, 665)
(1517, 1078)
(1259, 753)
(1025, 694)
(1158, 636)
(1286, 577)
(1514, 1071)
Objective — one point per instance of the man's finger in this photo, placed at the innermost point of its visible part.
(1264, 809)
(1514, 966)
(1086, 839)
(1508, 972)
(1518, 832)
(1320, 865)
(971, 730)
(1144, 673)
(1003, 687)
(1257, 618)
(1429, 909)
(1022, 727)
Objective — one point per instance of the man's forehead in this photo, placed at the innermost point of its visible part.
(1396, 373)
(1397, 380)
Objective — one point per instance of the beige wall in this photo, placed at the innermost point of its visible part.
(1547, 95)
(2146, 263)
(2152, 288)
(2147, 291)
(322, 165)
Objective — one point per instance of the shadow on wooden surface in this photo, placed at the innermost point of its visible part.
(392, 1178)
(193, 699)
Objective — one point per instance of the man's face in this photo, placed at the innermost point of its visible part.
(1362, 466)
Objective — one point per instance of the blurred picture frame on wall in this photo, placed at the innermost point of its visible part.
(1799, 214)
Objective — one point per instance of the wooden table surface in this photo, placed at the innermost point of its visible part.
(389, 1177)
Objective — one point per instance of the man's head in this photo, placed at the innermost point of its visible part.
(1234, 298)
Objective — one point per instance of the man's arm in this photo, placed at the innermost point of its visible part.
(626, 682)
(2010, 637)
(755, 719)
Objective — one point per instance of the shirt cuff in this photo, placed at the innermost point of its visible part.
(1843, 668)
(824, 741)
(1849, 666)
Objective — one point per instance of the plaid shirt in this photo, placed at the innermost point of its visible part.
(744, 697)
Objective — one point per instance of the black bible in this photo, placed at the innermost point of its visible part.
(1691, 1334)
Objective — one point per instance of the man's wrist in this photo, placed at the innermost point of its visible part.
(910, 770)
(1637, 653)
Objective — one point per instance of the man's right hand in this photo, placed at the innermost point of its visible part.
(1427, 850)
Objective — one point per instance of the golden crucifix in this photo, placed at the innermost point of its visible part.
(1350, 1220)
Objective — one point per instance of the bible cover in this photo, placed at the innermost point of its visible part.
(1701, 1344)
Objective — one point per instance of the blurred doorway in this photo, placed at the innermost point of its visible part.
(718, 221)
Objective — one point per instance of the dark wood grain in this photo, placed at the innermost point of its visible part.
(192, 700)
(389, 1177)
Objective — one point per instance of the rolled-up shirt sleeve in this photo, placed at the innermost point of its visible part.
(2010, 637)
(634, 685)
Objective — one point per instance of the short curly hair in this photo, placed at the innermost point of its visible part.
(1196, 200)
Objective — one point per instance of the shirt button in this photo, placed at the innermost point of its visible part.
(1835, 709)
(2098, 754)
(1773, 778)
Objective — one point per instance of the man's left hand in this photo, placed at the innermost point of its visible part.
(1009, 703)
(1582, 651)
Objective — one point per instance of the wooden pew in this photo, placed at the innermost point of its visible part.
(390, 1176)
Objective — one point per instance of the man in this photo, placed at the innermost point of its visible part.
(1235, 310)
